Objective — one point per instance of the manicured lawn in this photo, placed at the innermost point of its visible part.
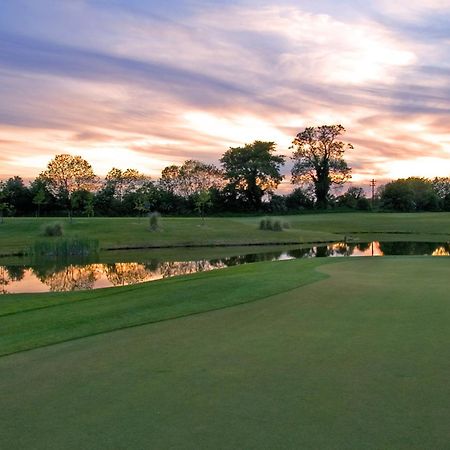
(17, 234)
(32, 320)
(349, 353)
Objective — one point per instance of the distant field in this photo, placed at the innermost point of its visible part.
(343, 353)
(17, 234)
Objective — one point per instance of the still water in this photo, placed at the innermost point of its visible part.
(56, 276)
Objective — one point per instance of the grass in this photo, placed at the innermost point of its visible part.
(18, 234)
(63, 247)
(342, 353)
(349, 353)
(28, 320)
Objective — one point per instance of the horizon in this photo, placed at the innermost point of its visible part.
(132, 84)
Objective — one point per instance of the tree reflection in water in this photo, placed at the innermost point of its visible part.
(363, 246)
(61, 276)
(73, 278)
(409, 248)
(4, 280)
(174, 268)
(121, 274)
(443, 250)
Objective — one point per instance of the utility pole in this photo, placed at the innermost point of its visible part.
(372, 184)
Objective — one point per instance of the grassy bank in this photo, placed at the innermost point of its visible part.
(18, 234)
(351, 353)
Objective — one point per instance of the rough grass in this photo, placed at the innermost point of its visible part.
(17, 234)
(359, 358)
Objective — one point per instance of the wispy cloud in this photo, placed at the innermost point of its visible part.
(151, 83)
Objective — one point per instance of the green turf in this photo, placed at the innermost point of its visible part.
(32, 320)
(356, 357)
(17, 234)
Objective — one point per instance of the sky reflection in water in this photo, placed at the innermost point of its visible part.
(57, 277)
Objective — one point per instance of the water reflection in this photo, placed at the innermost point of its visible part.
(63, 276)
(441, 251)
(72, 278)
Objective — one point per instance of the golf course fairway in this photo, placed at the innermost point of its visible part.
(342, 354)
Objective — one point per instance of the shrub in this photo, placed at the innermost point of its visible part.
(53, 229)
(277, 226)
(363, 204)
(267, 224)
(154, 221)
(286, 225)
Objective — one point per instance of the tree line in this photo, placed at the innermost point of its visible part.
(245, 182)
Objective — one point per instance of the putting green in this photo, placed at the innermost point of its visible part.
(359, 359)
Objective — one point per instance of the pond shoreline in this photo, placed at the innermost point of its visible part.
(350, 238)
(68, 274)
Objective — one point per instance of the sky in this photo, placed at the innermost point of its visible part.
(145, 84)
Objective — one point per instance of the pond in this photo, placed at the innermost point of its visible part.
(57, 276)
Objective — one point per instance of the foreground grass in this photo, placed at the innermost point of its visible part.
(17, 234)
(357, 357)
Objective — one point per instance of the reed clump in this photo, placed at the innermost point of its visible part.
(267, 224)
(53, 230)
(62, 248)
(154, 221)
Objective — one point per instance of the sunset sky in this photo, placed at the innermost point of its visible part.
(146, 84)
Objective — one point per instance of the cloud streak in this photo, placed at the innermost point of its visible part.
(153, 83)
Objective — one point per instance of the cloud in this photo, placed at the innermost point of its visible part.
(33, 56)
(168, 81)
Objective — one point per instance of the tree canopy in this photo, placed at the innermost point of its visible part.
(318, 158)
(122, 181)
(410, 194)
(246, 182)
(253, 170)
(191, 178)
(66, 174)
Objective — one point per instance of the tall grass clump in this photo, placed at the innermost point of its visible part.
(53, 230)
(154, 221)
(63, 248)
(277, 226)
(267, 224)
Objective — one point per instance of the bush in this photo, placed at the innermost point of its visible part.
(363, 204)
(277, 226)
(299, 199)
(53, 229)
(154, 221)
(266, 224)
(286, 225)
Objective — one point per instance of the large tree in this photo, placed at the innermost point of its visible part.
(17, 195)
(125, 181)
(410, 194)
(318, 158)
(191, 178)
(66, 174)
(441, 186)
(253, 170)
